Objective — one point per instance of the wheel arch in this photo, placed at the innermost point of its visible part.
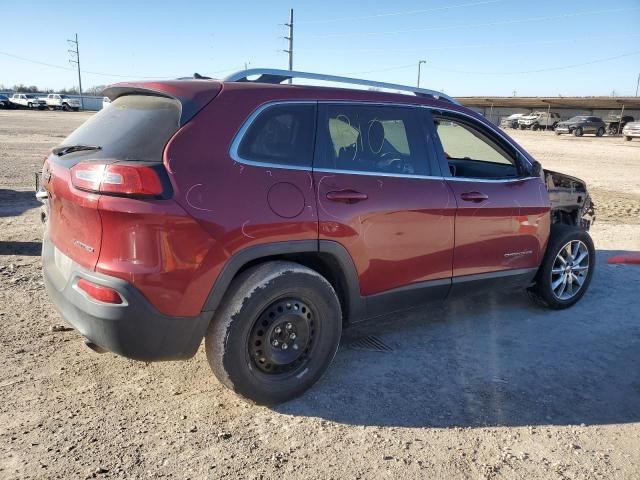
(330, 259)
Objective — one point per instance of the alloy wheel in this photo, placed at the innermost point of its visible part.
(570, 270)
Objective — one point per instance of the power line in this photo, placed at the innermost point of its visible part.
(472, 25)
(549, 69)
(465, 46)
(103, 74)
(563, 67)
(405, 12)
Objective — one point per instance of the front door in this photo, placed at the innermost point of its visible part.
(381, 195)
(502, 223)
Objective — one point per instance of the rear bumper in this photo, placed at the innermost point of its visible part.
(134, 329)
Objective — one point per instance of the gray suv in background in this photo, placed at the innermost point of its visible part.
(580, 125)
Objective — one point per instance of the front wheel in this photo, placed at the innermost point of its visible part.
(578, 132)
(600, 132)
(66, 108)
(275, 333)
(535, 127)
(567, 267)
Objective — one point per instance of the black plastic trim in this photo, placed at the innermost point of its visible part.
(134, 329)
(503, 280)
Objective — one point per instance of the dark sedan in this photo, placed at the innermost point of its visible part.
(4, 101)
(582, 124)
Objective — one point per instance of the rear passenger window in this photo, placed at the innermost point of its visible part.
(375, 139)
(281, 134)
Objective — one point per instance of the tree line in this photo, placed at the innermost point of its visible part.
(96, 90)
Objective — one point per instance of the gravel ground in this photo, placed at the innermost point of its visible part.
(490, 387)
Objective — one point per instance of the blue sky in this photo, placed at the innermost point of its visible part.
(472, 47)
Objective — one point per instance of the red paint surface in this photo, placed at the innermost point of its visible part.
(173, 250)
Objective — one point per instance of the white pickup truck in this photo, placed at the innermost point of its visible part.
(57, 101)
(544, 120)
(27, 100)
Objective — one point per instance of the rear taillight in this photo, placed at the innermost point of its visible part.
(99, 292)
(116, 179)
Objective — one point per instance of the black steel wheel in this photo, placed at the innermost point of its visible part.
(282, 337)
(275, 332)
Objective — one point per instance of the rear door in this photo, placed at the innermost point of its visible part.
(381, 195)
(502, 221)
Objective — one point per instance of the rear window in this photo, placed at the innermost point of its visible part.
(134, 127)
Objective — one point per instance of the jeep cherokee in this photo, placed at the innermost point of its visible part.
(265, 218)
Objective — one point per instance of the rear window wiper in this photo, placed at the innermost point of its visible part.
(64, 149)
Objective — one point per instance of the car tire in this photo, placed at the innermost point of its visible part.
(522, 127)
(578, 132)
(600, 132)
(554, 278)
(535, 127)
(628, 139)
(245, 340)
(557, 133)
(30, 105)
(66, 107)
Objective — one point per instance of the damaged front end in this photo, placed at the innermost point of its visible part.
(570, 201)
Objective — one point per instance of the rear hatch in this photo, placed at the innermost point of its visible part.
(98, 158)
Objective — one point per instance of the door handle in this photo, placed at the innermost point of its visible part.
(474, 197)
(346, 196)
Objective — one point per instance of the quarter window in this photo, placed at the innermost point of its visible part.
(375, 139)
(281, 134)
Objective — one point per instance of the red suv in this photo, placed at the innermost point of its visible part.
(265, 218)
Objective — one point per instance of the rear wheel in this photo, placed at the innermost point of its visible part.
(578, 132)
(600, 132)
(566, 270)
(275, 332)
(535, 126)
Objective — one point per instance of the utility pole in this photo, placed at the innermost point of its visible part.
(75, 58)
(637, 84)
(290, 38)
(420, 62)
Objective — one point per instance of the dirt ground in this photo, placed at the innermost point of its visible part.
(490, 387)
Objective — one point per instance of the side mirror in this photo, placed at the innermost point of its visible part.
(536, 169)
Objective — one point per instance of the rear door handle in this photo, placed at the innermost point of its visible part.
(474, 197)
(346, 196)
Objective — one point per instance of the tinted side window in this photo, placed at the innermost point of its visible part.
(376, 139)
(282, 134)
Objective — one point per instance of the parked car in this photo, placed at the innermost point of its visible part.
(105, 102)
(615, 126)
(57, 101)
(631, 130)
(580, 125)
(4, 101)
(26, 100)
(307, 210)
(539, 120)
(511, 121)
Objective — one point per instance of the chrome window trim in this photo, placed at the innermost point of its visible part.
(377, 174)
(237, 139)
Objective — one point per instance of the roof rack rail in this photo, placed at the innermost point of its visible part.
(275, 76)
